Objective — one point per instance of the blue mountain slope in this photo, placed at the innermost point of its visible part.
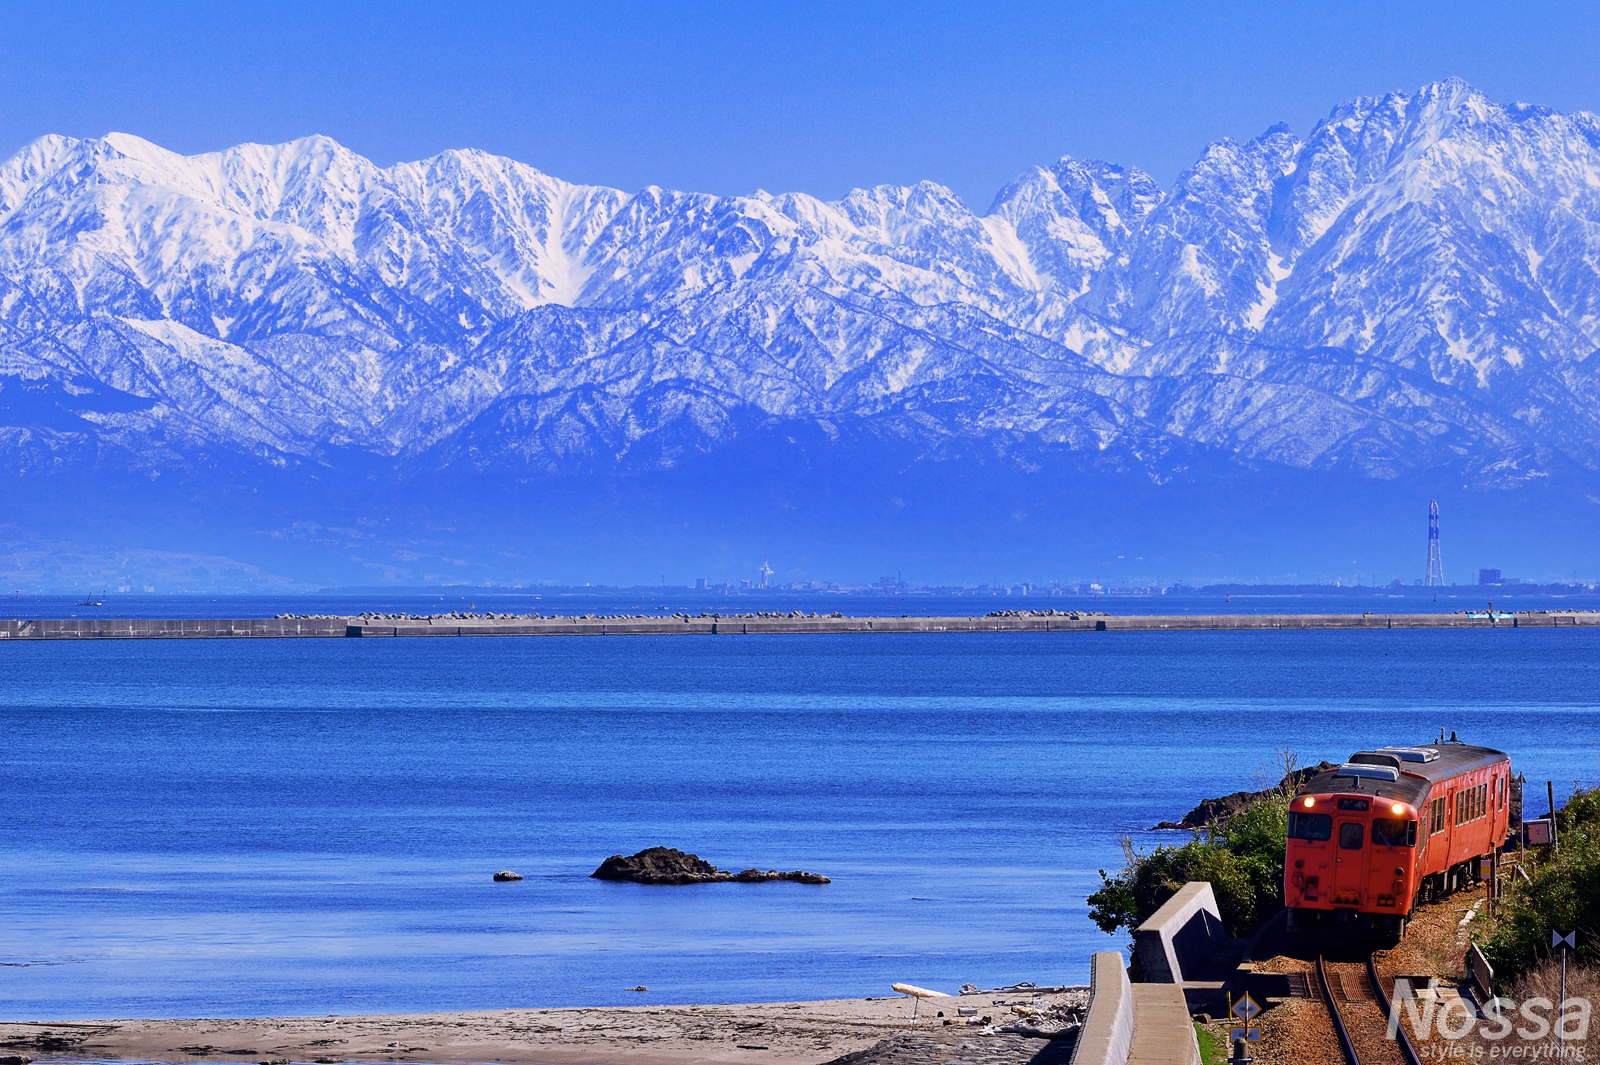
(287, 338)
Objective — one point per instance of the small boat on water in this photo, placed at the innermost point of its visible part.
(90, 600)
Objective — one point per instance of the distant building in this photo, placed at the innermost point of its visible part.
(1488, 576)
(745, 586)
(700, 584)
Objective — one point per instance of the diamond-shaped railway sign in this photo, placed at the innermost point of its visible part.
(1246, 1008)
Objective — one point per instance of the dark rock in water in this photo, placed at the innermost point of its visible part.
(660, 865)
(756, 876)
(506, 874)
(14, 1059)
(1212, 811)
(668, 865)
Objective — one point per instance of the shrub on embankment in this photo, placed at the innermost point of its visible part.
(1564, 893)
(1241, 856)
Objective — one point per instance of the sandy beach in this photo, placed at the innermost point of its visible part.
(790, 1032)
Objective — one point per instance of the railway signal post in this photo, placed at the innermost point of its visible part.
(1565, 942)
(1244, 1011)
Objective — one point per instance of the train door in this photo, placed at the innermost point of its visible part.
(1350, 863)
(1451, 823)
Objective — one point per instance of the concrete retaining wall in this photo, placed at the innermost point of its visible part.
(1107, 1031)
(169, 628)
(1183, 932)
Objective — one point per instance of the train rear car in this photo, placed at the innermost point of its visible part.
(1389, 829)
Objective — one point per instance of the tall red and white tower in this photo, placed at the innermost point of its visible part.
(1435, 571)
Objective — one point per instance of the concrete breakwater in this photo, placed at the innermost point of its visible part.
(364, 625)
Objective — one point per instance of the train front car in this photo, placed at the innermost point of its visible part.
(1388, 829)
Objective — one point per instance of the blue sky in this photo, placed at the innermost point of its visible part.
(728, 98)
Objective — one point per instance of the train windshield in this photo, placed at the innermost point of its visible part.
(1392, 832)
(1310, 826)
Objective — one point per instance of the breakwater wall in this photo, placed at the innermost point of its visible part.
(745, 624)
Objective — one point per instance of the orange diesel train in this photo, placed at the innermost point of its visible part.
(1389, 829)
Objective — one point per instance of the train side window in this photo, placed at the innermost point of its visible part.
(1436, 821)
(1393, 832)
(1350, 836)
(1314, 827)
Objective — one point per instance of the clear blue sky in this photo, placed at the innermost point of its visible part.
(727, 98)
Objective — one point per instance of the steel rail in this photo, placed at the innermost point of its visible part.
(1407, 1051)
(1333, 1011)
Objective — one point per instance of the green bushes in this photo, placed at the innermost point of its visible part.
(1242, 857)
(1565, 893)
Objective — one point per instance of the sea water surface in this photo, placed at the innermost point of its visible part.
(248, 828)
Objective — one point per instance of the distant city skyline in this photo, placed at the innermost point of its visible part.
(727, 99)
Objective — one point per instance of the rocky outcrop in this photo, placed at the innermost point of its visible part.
(756, 876)
(506, 874)
(1214, 811)
(668, 865)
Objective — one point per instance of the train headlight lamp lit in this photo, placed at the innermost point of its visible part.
(1310, 802)
(1397, 808)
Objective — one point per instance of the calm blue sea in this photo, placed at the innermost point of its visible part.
(220, 828)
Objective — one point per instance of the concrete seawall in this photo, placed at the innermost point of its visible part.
(728, 625)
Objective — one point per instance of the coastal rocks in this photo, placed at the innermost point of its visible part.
(660, 865)
(1211, 811)
(506, 874)
(756, 876)
(668, 865)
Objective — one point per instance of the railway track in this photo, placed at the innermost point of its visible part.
(1359, 1006)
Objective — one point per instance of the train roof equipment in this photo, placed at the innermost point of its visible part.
(1402, 774)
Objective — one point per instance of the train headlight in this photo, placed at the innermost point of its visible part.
(1397, 808)
(1310, 802)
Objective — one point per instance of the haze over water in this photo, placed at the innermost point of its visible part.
(246, 828)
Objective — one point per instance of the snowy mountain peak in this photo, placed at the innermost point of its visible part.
(1415, 284)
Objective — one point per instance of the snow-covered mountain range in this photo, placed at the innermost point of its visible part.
(1415, 286)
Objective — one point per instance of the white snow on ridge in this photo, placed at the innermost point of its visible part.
(309, 296)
